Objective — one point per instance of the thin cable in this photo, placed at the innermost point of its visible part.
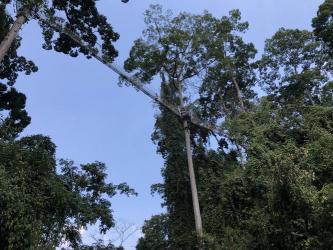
(121, 72)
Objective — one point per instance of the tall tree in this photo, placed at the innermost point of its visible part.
(178, 51)
(175, 52)
(175, 190)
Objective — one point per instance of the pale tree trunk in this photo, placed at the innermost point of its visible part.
(238, 93)
(194, 190)
(7, 42)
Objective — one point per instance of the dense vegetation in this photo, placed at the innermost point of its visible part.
(45, 202)
(269, 184)
(266, 184)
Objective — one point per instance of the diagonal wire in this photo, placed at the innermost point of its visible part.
(138, 84)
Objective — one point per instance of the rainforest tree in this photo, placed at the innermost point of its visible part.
(181, 51)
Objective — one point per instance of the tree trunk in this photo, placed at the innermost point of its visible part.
(238, 93)
(194, 191)
(7, 42)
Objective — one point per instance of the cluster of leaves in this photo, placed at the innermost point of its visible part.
(156, 232)
(280, 199)
(323, 24)
(83, 19)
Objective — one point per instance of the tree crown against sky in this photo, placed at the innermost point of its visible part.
(196, 49)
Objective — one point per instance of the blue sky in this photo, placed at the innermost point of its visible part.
(78, 103)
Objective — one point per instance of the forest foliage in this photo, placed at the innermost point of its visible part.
(268, 185)
(267, 182)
